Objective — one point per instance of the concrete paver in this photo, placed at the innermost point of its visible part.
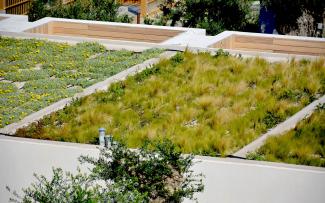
(14, 23)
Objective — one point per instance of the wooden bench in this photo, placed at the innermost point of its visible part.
(273, 44)
(114, 32)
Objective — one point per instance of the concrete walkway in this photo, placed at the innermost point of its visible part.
(14, 23)
(227, 180)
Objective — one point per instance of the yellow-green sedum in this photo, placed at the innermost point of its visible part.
(36, 73)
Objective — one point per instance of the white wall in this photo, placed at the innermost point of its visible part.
(226, 180)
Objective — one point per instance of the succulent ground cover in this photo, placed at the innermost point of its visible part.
(305, 144)
(36, 73)
(205, 104)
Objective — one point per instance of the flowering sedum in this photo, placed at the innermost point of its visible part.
(36, 73)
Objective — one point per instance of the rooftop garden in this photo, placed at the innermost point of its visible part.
(303, 145)
(206, 104)
(35, 73)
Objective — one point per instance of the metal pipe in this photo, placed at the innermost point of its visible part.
(108, 141)
(102, 137)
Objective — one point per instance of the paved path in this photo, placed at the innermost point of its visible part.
(14, 23)
(227, 180)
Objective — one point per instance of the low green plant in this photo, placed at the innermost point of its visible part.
(271, 119)
(39, 73)
(221, 52)
(157, 172)
(305, 144)
(177, 59)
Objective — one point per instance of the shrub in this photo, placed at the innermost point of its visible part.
(100, 10)
(60, 188)
(156, 172)
(208, 14)
(221, 52)
(288, 12)
(158, 169)
(36, 10)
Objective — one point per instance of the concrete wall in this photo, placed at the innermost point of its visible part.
(226, 180)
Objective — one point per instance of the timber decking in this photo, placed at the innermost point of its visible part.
(272, 44)
(115, 32)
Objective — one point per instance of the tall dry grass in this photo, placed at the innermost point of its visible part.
(303, 145)
(205, 104)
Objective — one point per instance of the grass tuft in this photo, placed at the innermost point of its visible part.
(303, 145)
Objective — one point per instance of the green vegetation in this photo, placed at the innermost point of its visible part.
(99, 10)
(157, 172)
(303, 145)
(211, 15)
(36, 73)
(206, 105)
(288, 12)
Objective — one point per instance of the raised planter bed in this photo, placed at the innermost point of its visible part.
(207, 105)
(36, 73)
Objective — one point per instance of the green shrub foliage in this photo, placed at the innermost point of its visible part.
(157, 172)
(214, 16)
(287, 12)
(99, 10)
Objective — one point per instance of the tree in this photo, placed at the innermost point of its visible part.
(156, 172)
(104, 10)
(214, 16)
(100, 10)
(287, 12)
(36, 10)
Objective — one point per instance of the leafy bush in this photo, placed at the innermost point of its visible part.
(36, 10)
(287, 12)
(221, 52)
(157, 172)
(271, 119)
(208, 14)
(99, 10)
(61, 188)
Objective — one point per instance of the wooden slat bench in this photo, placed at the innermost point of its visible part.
(115, 32)
(272, 44)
